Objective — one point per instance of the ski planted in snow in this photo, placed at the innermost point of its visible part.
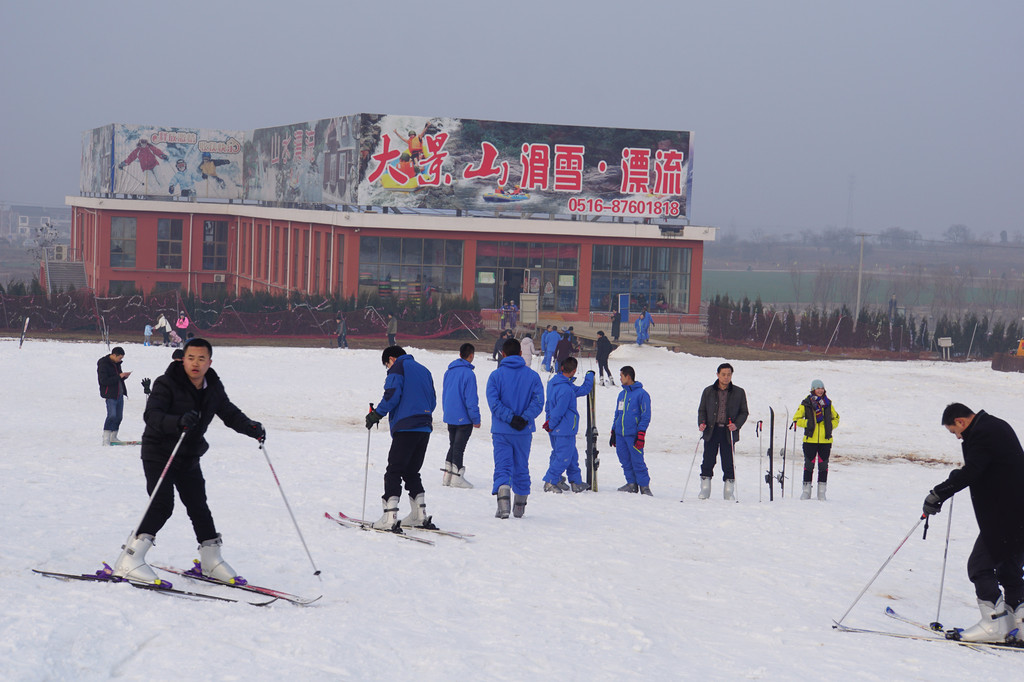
(769, 476)
(985, 646)
(352, 523)
(439, 531)
(781, 477)
(592, 461)
(104, 576)
(256, 589)
(23, 332)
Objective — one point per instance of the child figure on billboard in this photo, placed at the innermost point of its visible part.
(208, 168)
(184, 180)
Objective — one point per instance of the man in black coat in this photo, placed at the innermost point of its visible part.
(602, 350)
(721, 414)
(181, 406)
(112, 390)
(994, 471)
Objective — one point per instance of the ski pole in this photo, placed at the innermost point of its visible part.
(732, 450)
(263, 447)
(792, 477)
(937, 626)
(366, 469)
(879, 571)
(760, 455)
(690, 473)
(159, 482)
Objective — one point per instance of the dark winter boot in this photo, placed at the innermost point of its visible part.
(504, 502)
(579, 487)
(705, 488)
(562, 484)
(646, 490)
(389, 521)
(519, 506)
(552, 488)
(629, 488)
(995, 624)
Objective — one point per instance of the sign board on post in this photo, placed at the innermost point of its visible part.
(529, 311)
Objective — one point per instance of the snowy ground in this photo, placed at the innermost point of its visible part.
(604, 586)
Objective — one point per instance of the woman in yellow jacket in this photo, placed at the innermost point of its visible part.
(818, 418)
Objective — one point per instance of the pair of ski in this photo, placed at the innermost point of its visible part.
(106, 576)
(350, 522)
(936, 634)
(770, 477)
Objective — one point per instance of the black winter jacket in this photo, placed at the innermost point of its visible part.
(603, 348)
(735, 408)
(108, 373)
(172, 396)
(994, 471)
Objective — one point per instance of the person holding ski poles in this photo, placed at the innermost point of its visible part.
(994, 471)
(720, 416)
(181, 405)
(817, 417)
(562, 424)
(629, 432)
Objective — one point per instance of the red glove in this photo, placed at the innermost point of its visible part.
(546, 427)
(639, 442)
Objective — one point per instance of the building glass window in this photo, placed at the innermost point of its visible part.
(168, 244)
(122, 242)
(215, 245)
(121, 287)
(506, 269)
(654, 276)
(410, 268)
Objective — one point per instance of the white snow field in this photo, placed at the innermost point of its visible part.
(594, 586)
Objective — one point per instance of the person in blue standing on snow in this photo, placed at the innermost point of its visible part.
(548, 344)
(563, 422)
(629, 432)
(643, 327)
(515, 396)
(461, 413)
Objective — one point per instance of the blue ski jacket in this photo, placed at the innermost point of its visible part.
(562, 415)
(513, 389)
(459, 398)
(549, 341)
(409, 398)
(632, 410)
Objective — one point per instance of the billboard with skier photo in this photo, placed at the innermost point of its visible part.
(180, 162)
(303, 163)
(469, 164)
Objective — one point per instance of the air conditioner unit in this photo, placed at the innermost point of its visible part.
(218, 278)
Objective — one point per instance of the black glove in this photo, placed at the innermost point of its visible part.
(255, 430)
(518, 423)
(611, 439)
(589, 371)
(146, 383)
(372, 418)
(188, 420)
(932, 503)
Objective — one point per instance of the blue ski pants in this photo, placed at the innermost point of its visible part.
(565, 459)
(634, 468)
(512, 462)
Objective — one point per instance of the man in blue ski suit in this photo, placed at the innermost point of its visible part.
(563, 422)
(548, 343)
(643, 327)
(409, 401)
(629, 432)
(516, 397)
(461, 413)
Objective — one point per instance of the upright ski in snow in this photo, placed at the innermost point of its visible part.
(769, 476)
(782, 472)
(592, 461)
(23, 332)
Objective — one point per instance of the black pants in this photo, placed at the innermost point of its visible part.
(988, 573)
(408, 448)
(191, 486)
(719, 441)
(458, 436)
(342, 340)
(391, 339)
(602, 368)
(820, 452)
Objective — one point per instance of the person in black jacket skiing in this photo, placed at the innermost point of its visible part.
(113, 390)
(994, 471)
(184, 399)
(602, 350)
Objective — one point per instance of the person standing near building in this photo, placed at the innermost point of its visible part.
(341, 329)
(182, 324)
(629, 432)
(548, 344)
(461, 406)
(563, 348)
(409, 401)
(392, 329)
(113, 390)
(515, 396)
(498, 344)
(562, 425)
(818, 418)
(994, 471)
(720, 416)
(162, 325)
(528, 349)
(643, 326)
(602, 350)
(616, 324)
(185, 399)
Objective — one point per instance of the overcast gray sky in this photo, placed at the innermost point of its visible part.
(912, 109)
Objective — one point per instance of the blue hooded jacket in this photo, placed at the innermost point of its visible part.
(514, 389)
(563, 417)
(632, 410)
(459, 395)
(549, 341)
(409, 398)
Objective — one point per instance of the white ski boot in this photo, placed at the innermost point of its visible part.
(705, 488)
(504, 502)
(1018, 617)
(519, 506)
(821, 491)
(729, 491)
(213, 566)
(459, 478)
(806, 493)
(106, 437)
(447, 478)
(417, 517)
(114, 440)
(389, 521)
(131, 564)
(995, 624)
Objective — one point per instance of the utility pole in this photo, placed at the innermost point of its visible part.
(860, 273)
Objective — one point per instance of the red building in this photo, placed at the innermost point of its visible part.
(575, 266)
